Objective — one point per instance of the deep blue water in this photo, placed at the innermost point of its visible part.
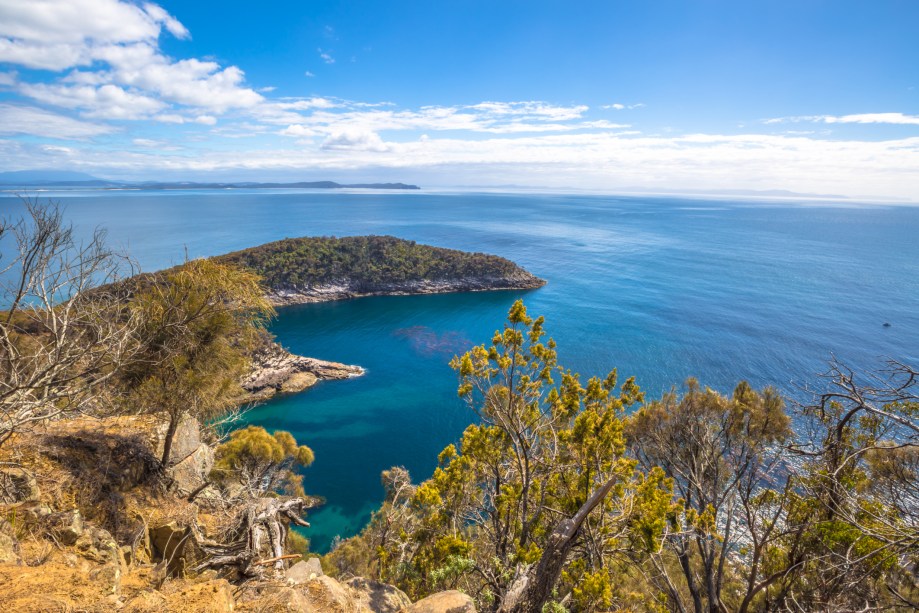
(661, 288)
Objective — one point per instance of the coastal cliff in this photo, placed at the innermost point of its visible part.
(320, 269)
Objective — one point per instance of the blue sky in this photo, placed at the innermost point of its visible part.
(810, 96)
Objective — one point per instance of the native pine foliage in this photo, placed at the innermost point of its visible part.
(199, 324)
(262, 463)
(715, 503)
(364, 261)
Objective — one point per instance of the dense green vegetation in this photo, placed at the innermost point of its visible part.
(364, 261)
(559, 498)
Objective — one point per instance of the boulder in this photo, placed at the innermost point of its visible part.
(109, 575)
(328, 595)
(66, 526)
(377, 597)
(450, 601)
(297, 382)
(17, 485)
(98, 545)
(9, 546)
(304, 570)
(186, 441)
(169, 543)
(192, 472)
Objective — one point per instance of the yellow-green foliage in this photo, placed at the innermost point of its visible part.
(262, 461)
(199, 322)
(545, 441)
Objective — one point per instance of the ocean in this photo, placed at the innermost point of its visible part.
(660, 288)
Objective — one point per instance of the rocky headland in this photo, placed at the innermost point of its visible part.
(321, 269)
(275, 370)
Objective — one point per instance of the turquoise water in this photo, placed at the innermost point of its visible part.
(661, 288)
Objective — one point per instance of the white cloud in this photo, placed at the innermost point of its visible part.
(148, 142)
(893, 118)
(207, 120)
(533, 109)
(15, 119)
(308, 74)
(117, 42)
(325, 56)
(58, 149)
(59, 34)
(334, 116)
(864, 118)
(594, 160)
(355, 140)
(620, 107)
(105, 102)
(172, 24)
(299, 131)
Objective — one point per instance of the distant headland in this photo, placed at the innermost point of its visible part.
(77, 180)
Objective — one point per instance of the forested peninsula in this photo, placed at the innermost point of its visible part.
(318, 269)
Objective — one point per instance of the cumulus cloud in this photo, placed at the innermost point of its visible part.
(354, 140)
(159, 15)
(60, 34)
(15, 119)
(107, 101)
(113, 45)
(325, 56)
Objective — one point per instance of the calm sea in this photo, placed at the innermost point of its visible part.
(661, 288)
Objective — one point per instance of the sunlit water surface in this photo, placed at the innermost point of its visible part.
(661, 288)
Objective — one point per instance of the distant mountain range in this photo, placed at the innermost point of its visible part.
(73, 180)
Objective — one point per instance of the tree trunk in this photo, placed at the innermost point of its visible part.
(532, 589)
(174, 420)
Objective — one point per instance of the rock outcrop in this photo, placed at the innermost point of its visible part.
(450, 601)
(345, 289)
(276, 370)
(377, 597)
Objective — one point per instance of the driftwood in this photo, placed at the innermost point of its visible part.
(533, 585)
(262, 517)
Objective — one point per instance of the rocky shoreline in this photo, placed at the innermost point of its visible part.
(345, 290)
(275, 370)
